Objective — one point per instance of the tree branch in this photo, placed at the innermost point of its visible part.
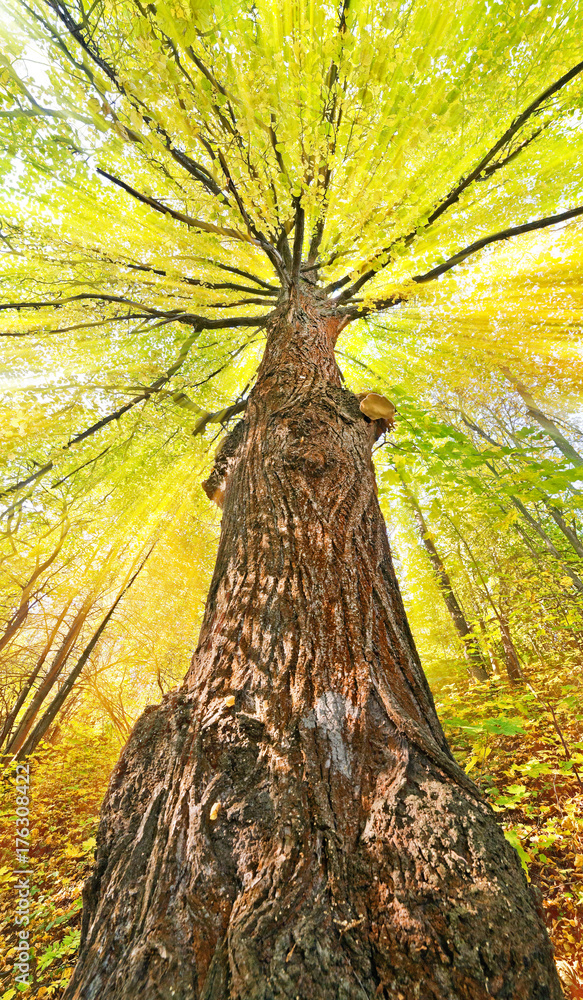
(219, 416)
(206, 227)
(465, 182)
(100, 297)
(199, 323)
(298, 245)
(200, 173)
(498, 164)
(527, 227)
(243, 274)
(198, 282)
(168, 316)
(461, 255)
(196, 170)
(77, 326)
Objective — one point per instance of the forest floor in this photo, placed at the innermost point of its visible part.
(523, 745)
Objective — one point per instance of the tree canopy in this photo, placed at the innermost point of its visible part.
(168, 167)
(170, 172)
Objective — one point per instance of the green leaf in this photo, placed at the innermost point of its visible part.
(513, 839)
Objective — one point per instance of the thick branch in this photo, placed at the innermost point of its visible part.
(199, 323)
(298, 245)
(206, 227)
(478, 173)
(461, 255)
(511, 131)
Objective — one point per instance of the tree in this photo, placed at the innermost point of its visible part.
(291, 822)
(476, 662)
(470, 489)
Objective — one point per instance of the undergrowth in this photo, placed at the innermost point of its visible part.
(523, 745)
(68, 782)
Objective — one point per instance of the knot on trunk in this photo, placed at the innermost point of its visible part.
(313, 460)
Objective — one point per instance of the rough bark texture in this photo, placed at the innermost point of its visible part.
(314, 839)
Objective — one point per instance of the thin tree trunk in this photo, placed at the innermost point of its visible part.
(22, 749)
(513, 668)
(564, 527)
(56, 668)
(291, 823)
(28, 684)
(552, 509)
(511, 660)
(491, 657)
(21, 612)
(537, 526)
(476, 662)
(545, 422)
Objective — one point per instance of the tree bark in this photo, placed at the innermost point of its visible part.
(291, 823)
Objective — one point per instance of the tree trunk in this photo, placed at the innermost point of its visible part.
(564, 527)
(554, 511)
(513, 668)
(24, 746)
(20, 614)
(291, 823)
(476, 662)
(545, 422)
(53, 674)
(28, 684)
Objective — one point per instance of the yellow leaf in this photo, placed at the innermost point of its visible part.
(471, 763)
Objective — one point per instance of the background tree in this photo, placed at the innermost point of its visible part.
(277, 173)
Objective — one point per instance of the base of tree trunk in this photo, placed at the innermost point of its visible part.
(414, 894)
